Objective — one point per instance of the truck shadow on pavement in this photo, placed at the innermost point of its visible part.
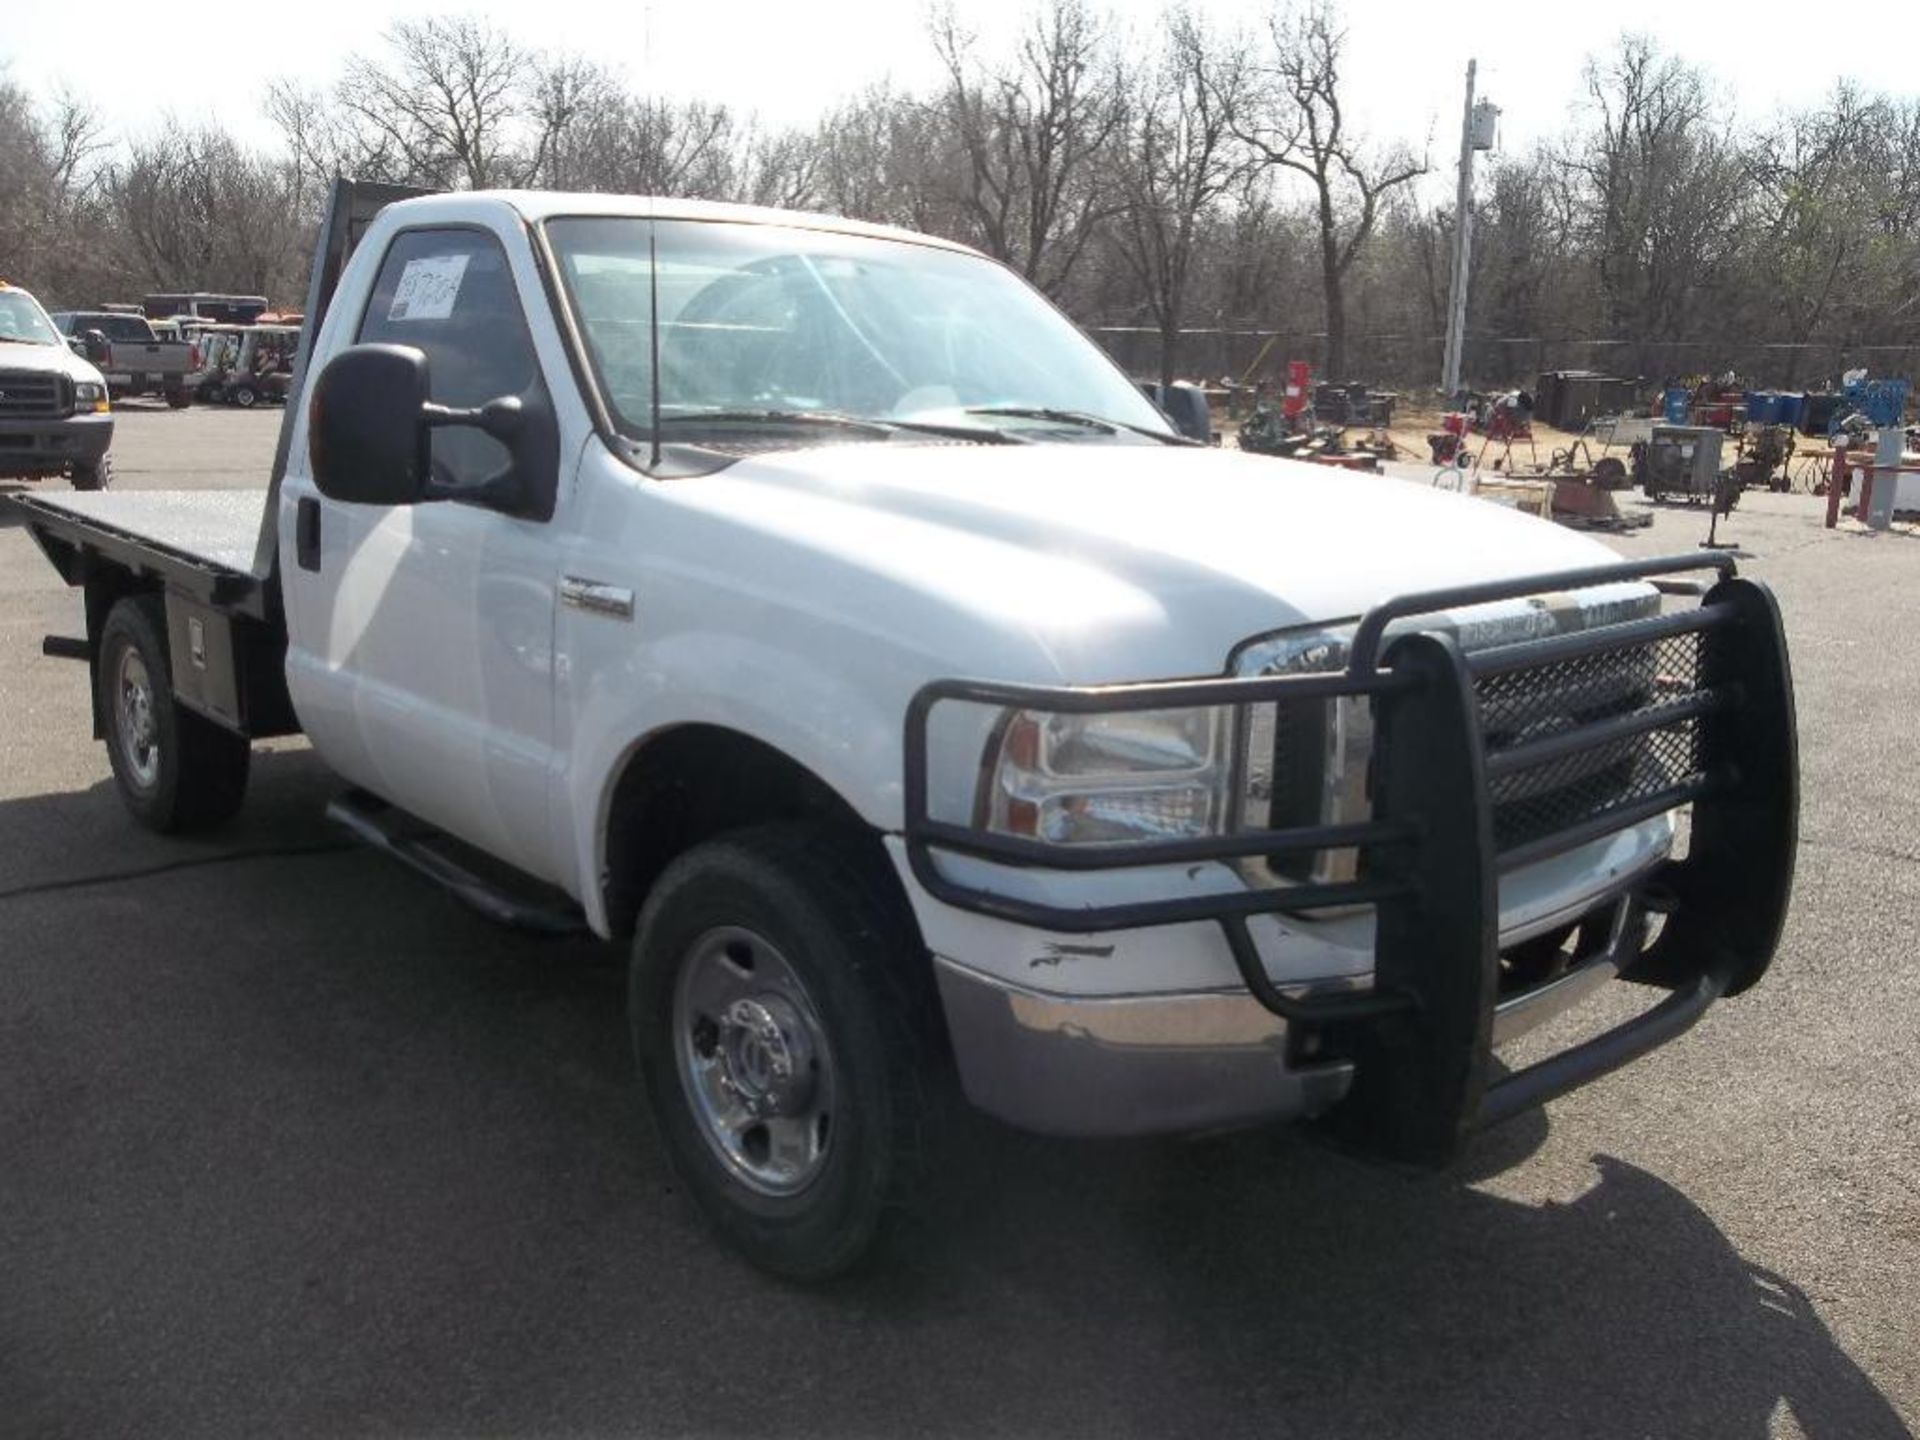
(295, 1145)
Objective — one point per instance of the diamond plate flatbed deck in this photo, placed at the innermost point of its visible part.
(203, 542)
(220, 528)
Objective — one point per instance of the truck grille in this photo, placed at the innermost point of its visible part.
(1306, 762)
(29, 395)
(1521, 707)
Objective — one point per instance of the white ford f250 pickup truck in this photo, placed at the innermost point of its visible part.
(810, 607)
(56, 417)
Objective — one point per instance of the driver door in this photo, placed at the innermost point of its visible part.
(424, 668)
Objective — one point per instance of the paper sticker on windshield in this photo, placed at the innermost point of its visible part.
(428, 288)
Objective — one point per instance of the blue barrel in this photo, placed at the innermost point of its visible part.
(1677, 397)
(1757, 406)
(1792, 404)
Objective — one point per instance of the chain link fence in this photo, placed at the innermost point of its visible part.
(1412, 362)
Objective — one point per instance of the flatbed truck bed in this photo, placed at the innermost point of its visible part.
(205, 542)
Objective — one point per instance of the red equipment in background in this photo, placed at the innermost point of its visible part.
(1299, 388)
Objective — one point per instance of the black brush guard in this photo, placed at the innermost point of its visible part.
(1421, 1037)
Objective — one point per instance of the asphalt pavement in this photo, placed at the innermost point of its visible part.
(291, 1145)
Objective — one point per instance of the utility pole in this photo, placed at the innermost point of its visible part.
(1477, 124)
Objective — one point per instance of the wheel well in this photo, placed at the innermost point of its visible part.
(690, 784)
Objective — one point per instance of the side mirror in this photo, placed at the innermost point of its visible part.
(366, 426)
(94, 346)
(367, 430)
(77, 344)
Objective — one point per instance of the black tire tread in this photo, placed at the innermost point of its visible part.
(204, 782)
(97, 476)
(842, 872)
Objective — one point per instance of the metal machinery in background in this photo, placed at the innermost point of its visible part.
(1574, 399)
(1763, 455)
(1683, 461)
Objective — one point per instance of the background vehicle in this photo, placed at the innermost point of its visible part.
(199, 305)
(243, 364)
(55, 418)
(263, 367)
(136, 361)
(214, 351)
(808, 606)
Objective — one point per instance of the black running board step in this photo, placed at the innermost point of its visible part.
(529, 905)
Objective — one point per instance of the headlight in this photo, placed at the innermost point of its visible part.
(90, 396)
(1113, 779)
(1306, 760)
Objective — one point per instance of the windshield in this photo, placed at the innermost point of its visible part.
(770, 323)
(23, 321)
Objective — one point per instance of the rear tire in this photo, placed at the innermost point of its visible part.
(97, 476)
(786, 951)
(179, 399)
(176, 771)
(245, 396)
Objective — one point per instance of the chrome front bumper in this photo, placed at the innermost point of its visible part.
(1183, 1062)
(1126, 1065)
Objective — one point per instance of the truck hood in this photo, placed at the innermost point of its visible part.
(48, 360)
(1123, 562)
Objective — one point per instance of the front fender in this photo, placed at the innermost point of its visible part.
(847, 735)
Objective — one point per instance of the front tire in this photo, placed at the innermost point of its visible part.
(97, 476)
(784, 1028)
(245, 396)
(175, 770)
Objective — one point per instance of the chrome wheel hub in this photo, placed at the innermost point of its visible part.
(754, 1061)
(766, 1056)
(137, 729)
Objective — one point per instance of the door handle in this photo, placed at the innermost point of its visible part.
(596, 597)
(306, 533)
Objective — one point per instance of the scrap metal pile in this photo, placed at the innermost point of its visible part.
(1313, 423)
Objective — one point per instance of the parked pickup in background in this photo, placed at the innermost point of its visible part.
(811, 609)
(135, 360)
(55, 415)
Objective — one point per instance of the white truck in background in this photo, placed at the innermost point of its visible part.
(810, 608)
(56, 416)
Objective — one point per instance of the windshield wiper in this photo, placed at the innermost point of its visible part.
(835, 419)
(22, 340)
(779, 417)
(1080, 418)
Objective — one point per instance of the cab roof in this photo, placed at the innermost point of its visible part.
(537, 205)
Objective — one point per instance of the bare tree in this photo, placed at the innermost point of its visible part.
(50, 167)
(1298, 123)
(618, 142)
(455, 102)
(190, 209)
(1664, 190)
(781, 168)
(1031, 137)
(1655, 225)
(879, 156)
(1181, 158)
